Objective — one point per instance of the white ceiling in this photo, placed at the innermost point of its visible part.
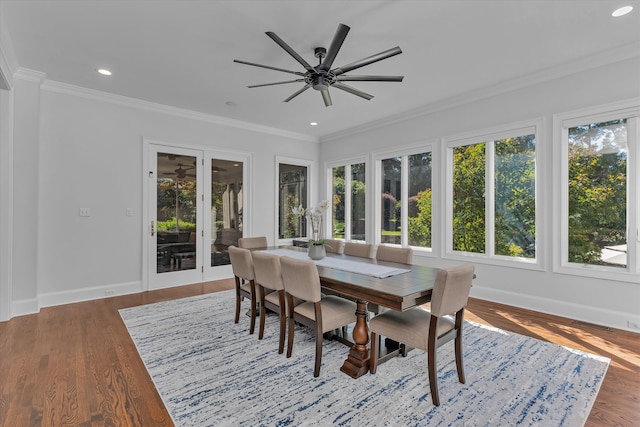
(180, 53)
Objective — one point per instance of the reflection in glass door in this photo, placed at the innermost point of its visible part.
(226, 208)
(176, 215)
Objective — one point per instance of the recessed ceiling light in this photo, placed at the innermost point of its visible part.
(622, 11)
(313, 124)
(104, 71)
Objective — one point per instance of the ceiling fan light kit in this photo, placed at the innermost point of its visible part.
(322, 76)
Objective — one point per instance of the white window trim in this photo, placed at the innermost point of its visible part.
(378, 157)
(311, 194)
(347, 163)
(629, 109)
(528, 127)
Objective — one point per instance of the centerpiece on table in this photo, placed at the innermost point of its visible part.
(315, 216)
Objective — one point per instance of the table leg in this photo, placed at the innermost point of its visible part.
(357, 363)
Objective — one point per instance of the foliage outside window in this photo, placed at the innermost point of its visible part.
(349, 189)
(495, 216)
(293, 191)
(406, 180)
(597, 193)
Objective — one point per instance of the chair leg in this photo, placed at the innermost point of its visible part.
(283, 321)
(431, 360)
(292, 325)
(263, 314)
(373, 359)
(238, 297)
(459, 365)
(319, 339)
(254, 304)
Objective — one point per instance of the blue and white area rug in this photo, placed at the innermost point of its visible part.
(211, 372)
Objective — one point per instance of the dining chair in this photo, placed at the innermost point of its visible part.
(333, 246)
(429, 329)
(242, 266)
(253, 242)
(323, 313)
(362, 250)
(268, 276)
(394, 254)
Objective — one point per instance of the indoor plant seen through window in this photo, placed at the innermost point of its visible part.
(315, 216)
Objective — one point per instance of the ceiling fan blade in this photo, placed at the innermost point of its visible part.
(326, 97)
(289, 50)
(369, 78)
(352, 90)
(297, 73)
(334, 48)
(277, 83)
(369, 60)
(298, 92)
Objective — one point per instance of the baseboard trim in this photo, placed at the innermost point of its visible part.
(88, 294)
(23, 307)
(582, 313)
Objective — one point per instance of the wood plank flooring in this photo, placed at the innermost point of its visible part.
(75, 365)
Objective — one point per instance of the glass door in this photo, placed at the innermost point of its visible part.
(225, 211)
(175, 211)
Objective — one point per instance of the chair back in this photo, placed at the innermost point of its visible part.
(451, 290)
(333, 246)
(253, 242)
(300, 278)
(394, 254)
(267, 270)
(241, 263)
(362, 250)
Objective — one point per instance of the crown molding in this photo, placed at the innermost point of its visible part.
(30, 75)
(611, 56)
(96, 95)
(8, 62)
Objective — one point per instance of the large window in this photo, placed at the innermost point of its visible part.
(599, 203)
(405, 206)
(349, 201)
(492, 200)
(293, 191)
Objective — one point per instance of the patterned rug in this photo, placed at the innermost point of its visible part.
(211, 372)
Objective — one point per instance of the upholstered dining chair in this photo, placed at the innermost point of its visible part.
(269, 277)
(394, 254)
(333, 246)
(362, 250)
(242, 266)
(428, 330)
(253, 242)
(323, 313)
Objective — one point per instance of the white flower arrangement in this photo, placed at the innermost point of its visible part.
(316, 215)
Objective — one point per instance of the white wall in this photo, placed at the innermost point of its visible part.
(89, 154)
(606, 302)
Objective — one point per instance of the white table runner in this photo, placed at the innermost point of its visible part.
(374, 270)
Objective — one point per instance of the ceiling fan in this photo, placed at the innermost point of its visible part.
(181, 172)
(322, 76)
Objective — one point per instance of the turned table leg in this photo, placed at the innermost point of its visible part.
(357, 363)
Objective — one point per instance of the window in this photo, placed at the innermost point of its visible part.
(492, 197)
(293, 191)
(405, 206)
(349, 201)
(599, 203)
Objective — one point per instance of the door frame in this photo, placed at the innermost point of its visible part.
(207, 273)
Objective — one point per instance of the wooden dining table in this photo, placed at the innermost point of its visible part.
(398, 292)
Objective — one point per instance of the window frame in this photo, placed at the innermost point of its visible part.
(404, 153)
(310, 194)
(347, 163)
(562, 122)
(497, 133)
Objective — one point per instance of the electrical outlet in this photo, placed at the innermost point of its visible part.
(109, 292)
(633, 325)
(128, 212)
(85, 212)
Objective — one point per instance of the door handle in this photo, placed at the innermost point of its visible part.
(153, 228)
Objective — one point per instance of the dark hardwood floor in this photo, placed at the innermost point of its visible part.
(75, 365)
